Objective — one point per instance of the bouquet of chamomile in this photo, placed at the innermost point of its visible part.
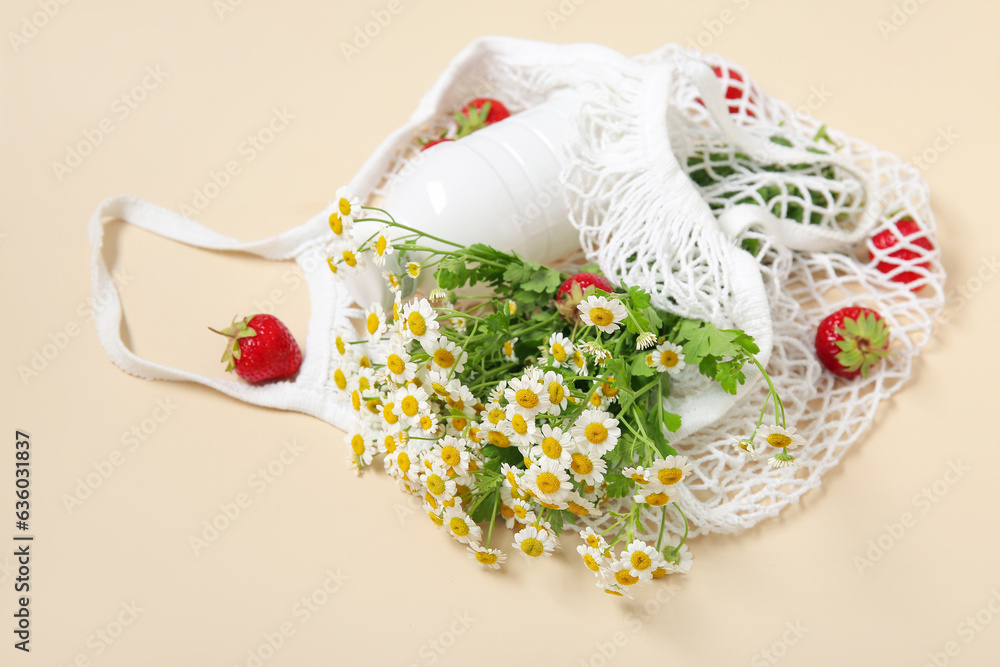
(512, 392)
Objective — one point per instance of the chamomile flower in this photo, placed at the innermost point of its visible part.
(654, 497)
(375, 324)
(454, 456)
(392, 280)
(559, 348)
(620, 572)
(439, 488)
(346, 255)
(446, 356)
(579, 363)
(498, 434)
(512, 478)
(556, 445)
(363, 449)
(666, 358)
(489, 558)
(420, 322)
(382, 246)
(581, 506)
(461, 526)
(507, 349)
(399, 465)
(678, 559)
(638, 475)
(341, 343)
(548, 482)
(523, 429)
(783, 460)
(347, 208)
(641, 560)
(535, 542)
(410, 403)
(602, 312)
(527, 396)
(775, 436)
(413, 269)
(607, 584)
(588, 467)
(645, 341)
(496, 394)
(596, 431)
(555, 385)
(398, 366)
(521, 512)
(670, 470)
(593, 558)
(593, 539)
(747, 447)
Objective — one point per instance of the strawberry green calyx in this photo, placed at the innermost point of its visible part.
(237, 330)
(472, 119)
(865, 342)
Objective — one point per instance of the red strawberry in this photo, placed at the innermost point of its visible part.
(435, 142)
(572, 291)
(734, 92)
(887, 238)
(852, 340)
(479, 113)
(261, 348)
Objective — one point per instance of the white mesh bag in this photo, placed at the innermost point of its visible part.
(669, 171)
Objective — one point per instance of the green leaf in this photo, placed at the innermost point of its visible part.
(618, 485)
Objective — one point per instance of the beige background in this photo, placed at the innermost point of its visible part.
(405, 585)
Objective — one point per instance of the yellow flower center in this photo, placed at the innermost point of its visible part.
(578, 360)
(578, 510)
(336, 224)
(403, 461)
(390, 444)
(459, 423)
(409, 405)
(363, 383)
(595, 400)
(526, 398)
(657, 499)
(640, 560)
(552, 447)
(435, 484)
(413, 269)
(358, 445)
(533, 547)
(639, 478)
(609, 390)
(444, 358)
(595, 433)
(356, 400)
(581, 464)
(602, 317)
(512, 478)
(778, 440)
(372, 323)
(426, 422)
(508, 349)
(558, 352)
(350, 258)
(438, 521)
(381, 245)
(520, 512)
(625, 578)
(396, 364)
(345, 206)
(451, 456)
(519, 424)
(593, 541)
(364, 362)
(458, 526)
(341, 347)
(556, 393)
(416, 323)
(458, 405)
(669, 476)
(439, 389)
(495, 415)
(333, 267)
(589, 561)
(338, 377)
(388, 414)
(486, 558)
(548, 483)
(498, 439)
(659, 572)
(668, 358)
